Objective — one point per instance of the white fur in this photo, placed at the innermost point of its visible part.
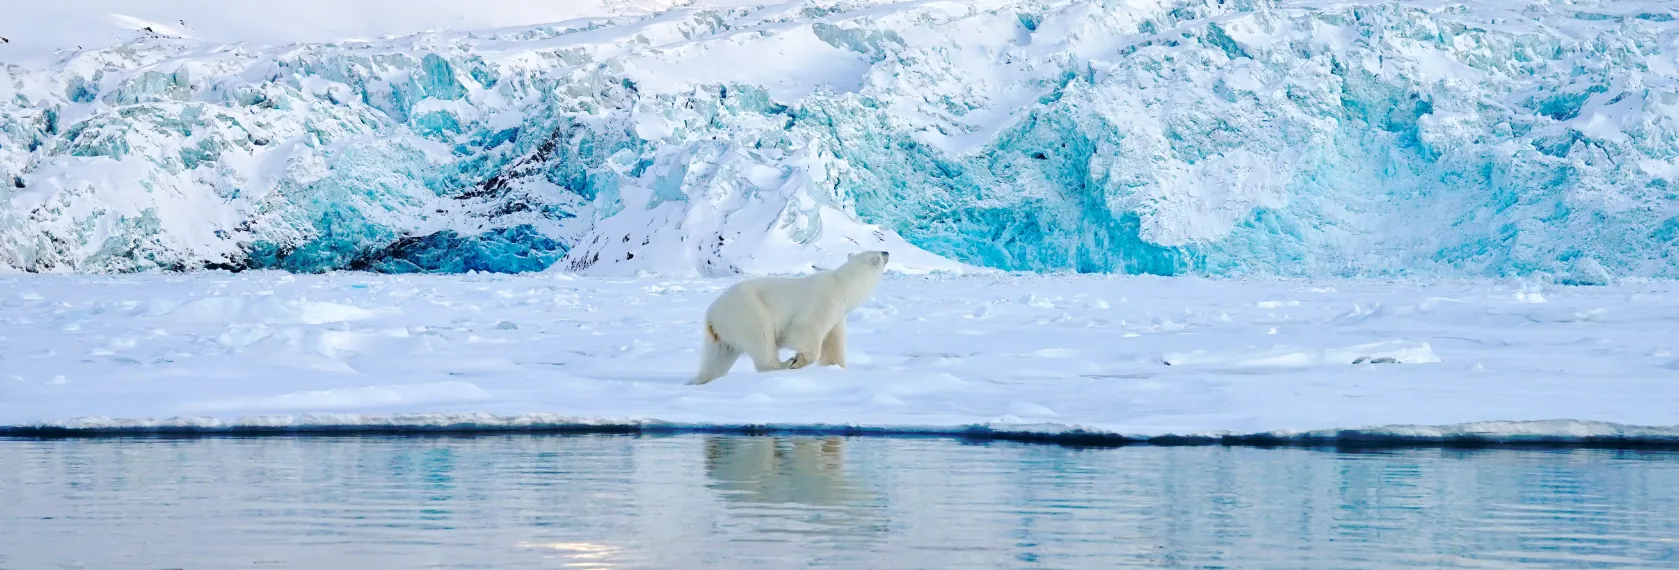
(760, 316)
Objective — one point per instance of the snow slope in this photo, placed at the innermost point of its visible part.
(38, 31)
(1133, 356)
(1223, 137)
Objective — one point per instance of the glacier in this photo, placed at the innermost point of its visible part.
(1304, 138)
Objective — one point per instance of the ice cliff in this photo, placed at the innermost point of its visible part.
(1302, 138)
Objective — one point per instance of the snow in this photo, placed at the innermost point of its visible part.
(1027, 356)
(39, 29)
(1301, 138)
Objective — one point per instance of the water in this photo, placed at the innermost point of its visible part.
(698, 501)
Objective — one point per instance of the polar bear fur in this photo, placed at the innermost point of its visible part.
(760, 316)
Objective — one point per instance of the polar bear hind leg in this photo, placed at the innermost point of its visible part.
(716, 357)
(722, 349)
(762, 350)
(807, 348)
(808, 339)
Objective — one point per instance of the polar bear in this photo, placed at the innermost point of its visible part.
(807, 314)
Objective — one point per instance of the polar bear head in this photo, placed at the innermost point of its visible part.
(871, 261)
(859, 275)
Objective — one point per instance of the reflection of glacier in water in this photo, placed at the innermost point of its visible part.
(516, 502)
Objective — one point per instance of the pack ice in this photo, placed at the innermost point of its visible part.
(1015, 355)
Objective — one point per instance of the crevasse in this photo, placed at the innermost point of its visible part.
(1298, 138)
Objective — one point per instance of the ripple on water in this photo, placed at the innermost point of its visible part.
(701, 501)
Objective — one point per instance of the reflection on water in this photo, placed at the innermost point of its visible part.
(794, 485)
(808, 471)
(696, 501)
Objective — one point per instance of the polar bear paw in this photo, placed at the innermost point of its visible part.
(798, 361)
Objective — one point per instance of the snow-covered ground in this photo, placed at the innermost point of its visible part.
(1139, 356)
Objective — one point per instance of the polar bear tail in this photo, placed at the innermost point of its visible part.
(716, 357)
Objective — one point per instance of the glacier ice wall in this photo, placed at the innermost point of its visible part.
(1219, 137)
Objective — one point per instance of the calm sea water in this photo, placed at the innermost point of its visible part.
(514, 502)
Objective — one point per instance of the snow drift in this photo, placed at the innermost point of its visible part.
(1307, 138)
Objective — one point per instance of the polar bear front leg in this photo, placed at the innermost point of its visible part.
(833, 346)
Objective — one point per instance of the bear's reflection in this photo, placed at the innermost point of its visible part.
(794, 485)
